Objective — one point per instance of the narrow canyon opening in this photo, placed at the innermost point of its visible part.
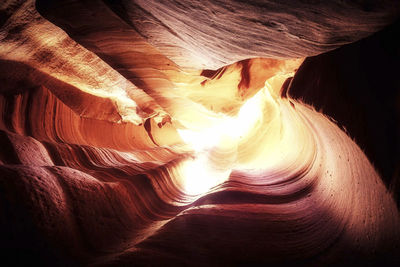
(144, 132)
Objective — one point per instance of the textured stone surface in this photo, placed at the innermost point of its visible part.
(210, 34)
(126, 139)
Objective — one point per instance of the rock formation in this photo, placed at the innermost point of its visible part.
(199, 132)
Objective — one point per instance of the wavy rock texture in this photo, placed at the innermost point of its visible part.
(127, 139)
(210, 34)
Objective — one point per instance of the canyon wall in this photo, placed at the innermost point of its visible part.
(192, 133)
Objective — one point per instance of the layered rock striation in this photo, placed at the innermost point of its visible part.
(185, 133)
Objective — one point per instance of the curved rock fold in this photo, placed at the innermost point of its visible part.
(176, 132)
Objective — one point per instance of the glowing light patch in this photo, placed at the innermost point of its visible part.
(226, 127)
(198, 175)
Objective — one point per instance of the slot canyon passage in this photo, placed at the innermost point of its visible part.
(199, 133)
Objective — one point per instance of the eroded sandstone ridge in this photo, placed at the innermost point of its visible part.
(173, 132)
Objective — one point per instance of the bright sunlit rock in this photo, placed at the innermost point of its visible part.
(226, 127)
(199, 176)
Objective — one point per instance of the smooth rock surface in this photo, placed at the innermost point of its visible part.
(127, 139)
